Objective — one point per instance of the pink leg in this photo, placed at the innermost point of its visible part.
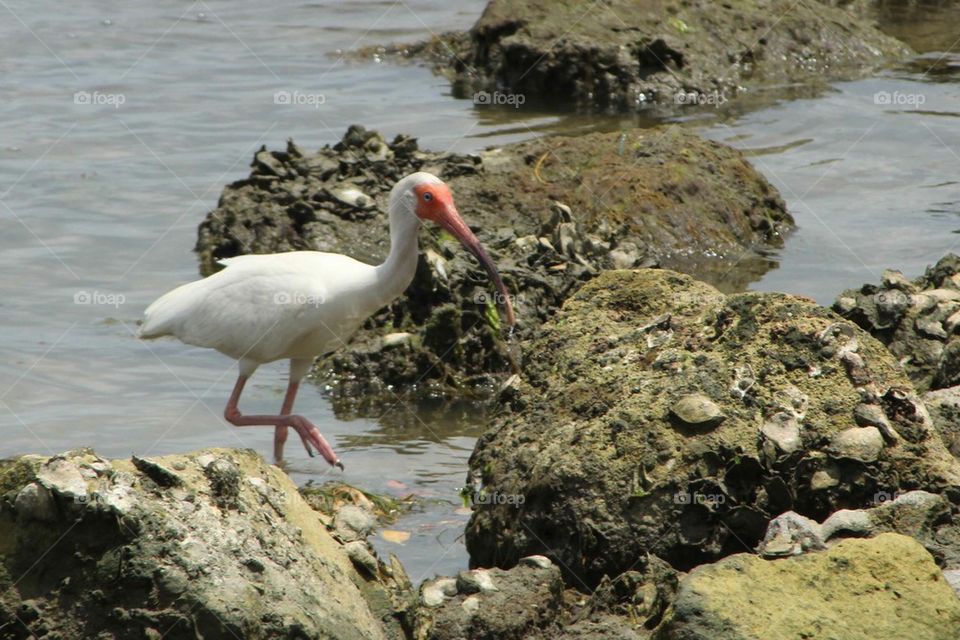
(308, 432)
(280, 434)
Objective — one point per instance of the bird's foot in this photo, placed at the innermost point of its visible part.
(313, 439)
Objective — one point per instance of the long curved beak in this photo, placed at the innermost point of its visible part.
(455, 224)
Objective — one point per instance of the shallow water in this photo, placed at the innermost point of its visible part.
(99, 203)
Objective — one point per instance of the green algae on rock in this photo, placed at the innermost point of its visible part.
(223, 546)
(627, 54)
(553, 213)
(606, 475)
(882, 587)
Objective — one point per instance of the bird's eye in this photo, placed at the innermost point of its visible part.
(427, 197)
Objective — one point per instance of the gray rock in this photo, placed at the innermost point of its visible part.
(525, 600)
(353, 523)
(161, 474)
(362, 556)
(860, 443)
(434, 592)
(471, 604)
(893, 279)
(918, 514)
(397, 339)
(351, 196)
(791, 534)
(952, 576)
(697, 410)
(784, 431)
(952, 322)
(825, 478)
(160, 557)
(541, 562)
(34, 502)
(931, 328)
(853, 522)
(872, 415)
(62, 476)
(475, 581)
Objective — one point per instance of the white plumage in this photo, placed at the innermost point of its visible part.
(263, 308)
(302, 304)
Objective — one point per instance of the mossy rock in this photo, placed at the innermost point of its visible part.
(552, 212)
(211, 544)
(883, 587)
(600, 472)
(624, 55)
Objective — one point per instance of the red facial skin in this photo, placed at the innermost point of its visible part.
(435, 203)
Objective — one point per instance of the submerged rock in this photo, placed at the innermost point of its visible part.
(119, 549)
(601, 474)
(552, 212)
(883, 587)
(628, 54)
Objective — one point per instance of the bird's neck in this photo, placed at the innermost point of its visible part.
(396, 272)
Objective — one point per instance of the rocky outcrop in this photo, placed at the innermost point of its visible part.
(883, 587)
(925, 517)
(944, 408)
(213, 544)
(553, 213)
(917, 320)
(531, 602)
(629, 54)
(657, 415)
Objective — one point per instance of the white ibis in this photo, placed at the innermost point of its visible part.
(303, 304)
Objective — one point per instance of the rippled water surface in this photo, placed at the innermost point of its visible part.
(122, 122)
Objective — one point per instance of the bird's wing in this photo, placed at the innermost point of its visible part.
(258, 305)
